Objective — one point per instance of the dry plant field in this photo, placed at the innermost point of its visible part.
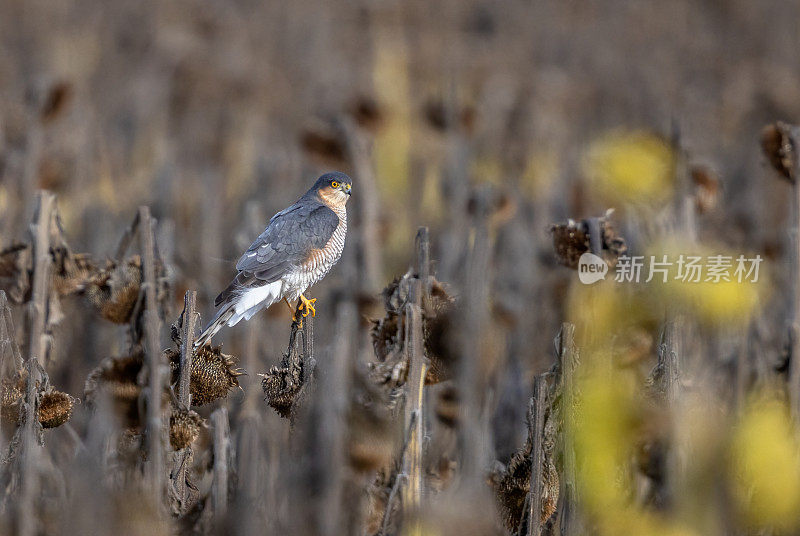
(568, 303)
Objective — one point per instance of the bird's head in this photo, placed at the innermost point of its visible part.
(333, 188)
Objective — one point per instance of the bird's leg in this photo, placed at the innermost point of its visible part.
(294, 316)
(308, 306)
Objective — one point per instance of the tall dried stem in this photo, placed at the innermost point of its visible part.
(152, 327)
(188, 329)
(37, 348)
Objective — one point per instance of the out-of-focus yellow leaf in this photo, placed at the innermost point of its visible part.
(766, 462)
(608, 308)
(630, 166)
(3, 199)
(392, 145)
(602, 432)
(418, 529)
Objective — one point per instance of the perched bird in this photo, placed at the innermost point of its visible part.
(298, 248)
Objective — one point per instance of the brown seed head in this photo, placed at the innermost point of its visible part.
(11, 391)
(281, 386)
(71, 271)
(213, 374)
(115, 290)
(779, 148)
(118, 378)
(388, 333)
(55, 408)
(184, 427)
(571, 240)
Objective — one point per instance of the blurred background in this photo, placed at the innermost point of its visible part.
(218, 114)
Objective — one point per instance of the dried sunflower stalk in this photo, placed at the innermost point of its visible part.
(388, 333)
(118, 378)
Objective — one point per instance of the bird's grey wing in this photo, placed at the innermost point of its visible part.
(286, 243)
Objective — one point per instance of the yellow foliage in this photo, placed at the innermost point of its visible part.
(604, 430)
(641, 523)
(717, 302)
(432, 201)
(722, 302)
(602, 433)
(765, 457)
(630, 166)
(393, 143)
(712, 300)
(594, 309)
(418, 529)
(607, 308)
(3, 199)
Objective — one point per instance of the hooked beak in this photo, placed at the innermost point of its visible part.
(347, 189)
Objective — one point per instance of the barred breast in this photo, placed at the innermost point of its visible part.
(320, 261)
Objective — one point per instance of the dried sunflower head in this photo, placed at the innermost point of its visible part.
(184, 427)
(213, 374)
(55, 408)
(779, 147)
(116, 375)
(550, 490)
(118, 378)
(512, 484)
(11, 392)
(447, 406)
(281, 385)
(572, 239)
(12, 259)
(130, 446)
(15, 265)
(71, 271)
(115, 290)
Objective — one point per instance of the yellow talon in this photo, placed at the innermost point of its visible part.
(308, 306)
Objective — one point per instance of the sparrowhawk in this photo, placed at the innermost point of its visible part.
(298, 248)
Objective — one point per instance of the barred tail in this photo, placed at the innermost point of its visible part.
(221, 318)
(241, 305)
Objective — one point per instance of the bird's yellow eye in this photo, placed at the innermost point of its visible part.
(335, 184)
